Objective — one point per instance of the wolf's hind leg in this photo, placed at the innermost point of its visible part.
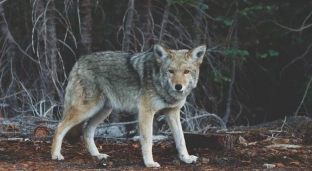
(76, 115)
(88, 133)
(59, 134)
(173, 119)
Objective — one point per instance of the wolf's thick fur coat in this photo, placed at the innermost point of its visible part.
(157, 80)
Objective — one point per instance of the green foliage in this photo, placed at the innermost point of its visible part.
(270, 53)
(273, 53)
(203, 6)
(220, 79)
(235, 52)
(244, 12)
(250, 10)
(194, 2)
(263, 56)
(226, 21)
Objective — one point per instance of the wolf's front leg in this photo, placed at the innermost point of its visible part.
(146, 136)
(173, 119)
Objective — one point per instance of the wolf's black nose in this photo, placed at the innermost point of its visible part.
(178, 87)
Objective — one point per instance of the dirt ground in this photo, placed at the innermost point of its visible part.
(285, 147)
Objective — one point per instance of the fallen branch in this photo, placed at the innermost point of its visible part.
(119, 123)
(10, 132)
(42, 121)
(283, 146)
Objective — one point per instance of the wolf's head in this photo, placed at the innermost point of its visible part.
(179, 69)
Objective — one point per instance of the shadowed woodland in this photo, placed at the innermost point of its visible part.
(257, 67)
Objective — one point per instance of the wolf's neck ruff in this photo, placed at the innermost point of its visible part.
(153, 67)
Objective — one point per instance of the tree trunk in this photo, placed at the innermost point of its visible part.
(127, 26)
(85, 26)
(230, 92)
(197, 23)
(51, 54)
(146, 24)
(44, 13)
(38, 39)
(231, 86)
(163, 24)
(10, 54)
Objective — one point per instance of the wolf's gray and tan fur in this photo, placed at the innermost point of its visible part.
(144, 83)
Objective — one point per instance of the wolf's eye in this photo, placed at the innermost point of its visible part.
(171, 71)
(186, 71)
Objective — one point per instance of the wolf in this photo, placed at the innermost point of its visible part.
(158, 80)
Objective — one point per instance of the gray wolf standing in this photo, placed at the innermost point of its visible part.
(146, 83)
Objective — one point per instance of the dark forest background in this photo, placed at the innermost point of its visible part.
(258, 66)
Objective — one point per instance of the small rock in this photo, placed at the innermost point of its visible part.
(110, 164)
(176, 162)
(115, 131)
(268, 166)
(204, 160)
(101, 165)
(280, 141)
(279, 165)
(242, 141)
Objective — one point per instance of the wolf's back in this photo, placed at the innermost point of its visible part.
(103, 73)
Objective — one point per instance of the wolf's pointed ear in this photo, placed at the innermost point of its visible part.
(198, 53)
(160, 52)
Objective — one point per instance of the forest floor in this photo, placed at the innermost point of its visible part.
(280, 145)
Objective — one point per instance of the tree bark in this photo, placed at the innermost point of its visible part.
(44, 13)
(230, 92)
(11, 56)
(127, 26)
(85, 26)
(197, 23)
(38, 38)
(51, 50)
(163, 24)
(230, 89)
(146, 24)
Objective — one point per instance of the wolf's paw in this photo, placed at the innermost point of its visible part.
(153, 164)
(101, 156)
(188, 158)
(57, 157)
